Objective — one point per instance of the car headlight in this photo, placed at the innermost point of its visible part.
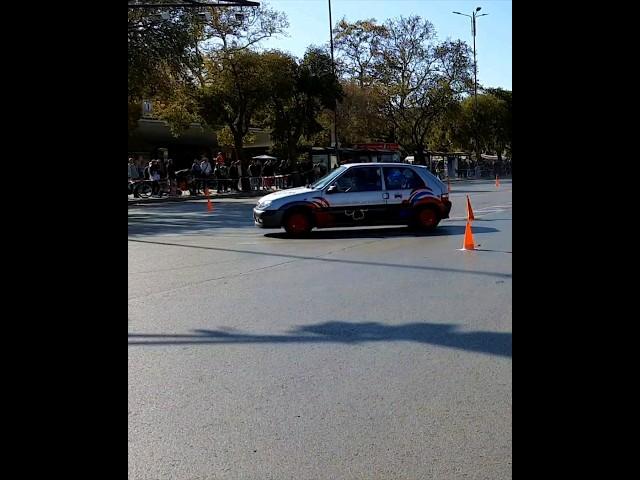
(263, 205)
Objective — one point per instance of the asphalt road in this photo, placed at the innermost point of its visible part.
(352, 354)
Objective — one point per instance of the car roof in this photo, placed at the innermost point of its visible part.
(378, 164)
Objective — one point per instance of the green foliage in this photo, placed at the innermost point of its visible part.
(297, 92)
(358, 45)
(490, 123)
(411, 79)
(398, 83)
(161, 51)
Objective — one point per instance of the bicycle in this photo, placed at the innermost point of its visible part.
(144, 189)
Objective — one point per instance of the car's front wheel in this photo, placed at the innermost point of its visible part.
(297, 223)
(427, 218)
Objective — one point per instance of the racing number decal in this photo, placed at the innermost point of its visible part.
(353, 214)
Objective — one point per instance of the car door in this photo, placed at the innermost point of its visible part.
(355, 198)
(400, 183)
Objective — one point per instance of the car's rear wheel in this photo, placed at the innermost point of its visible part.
(297, 223)
(427, 218)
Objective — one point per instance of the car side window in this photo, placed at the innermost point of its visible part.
(360, 179)
(401, 178)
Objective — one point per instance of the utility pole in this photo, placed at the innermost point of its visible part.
(473, 17)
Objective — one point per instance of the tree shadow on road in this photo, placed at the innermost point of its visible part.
(443, 335)
(185, 219)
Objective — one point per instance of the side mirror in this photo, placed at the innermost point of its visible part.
(332, 189)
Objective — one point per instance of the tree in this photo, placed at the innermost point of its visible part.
(298, 91)
(161, 54)
(231, 30)
(504, 120)
(421, 79)
(225, 137)
(358, 46)
(490, 123)
(361, 115)
(442, 134)
(234, 91)
(226, 89)
(178, 108)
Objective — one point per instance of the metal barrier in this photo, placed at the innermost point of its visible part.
(262, 183)
(266, 184)
(472, 173)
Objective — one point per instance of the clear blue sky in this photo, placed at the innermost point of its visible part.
(309, 24)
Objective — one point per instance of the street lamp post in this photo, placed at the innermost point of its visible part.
(473, 17)
(335, 107)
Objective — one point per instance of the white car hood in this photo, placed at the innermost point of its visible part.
(288, 193)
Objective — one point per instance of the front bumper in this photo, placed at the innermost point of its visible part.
(446, 204)
(267, 218)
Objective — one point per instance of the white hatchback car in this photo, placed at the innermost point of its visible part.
(359, 194)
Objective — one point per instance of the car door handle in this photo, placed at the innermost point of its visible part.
(397, 195)
(385, 196)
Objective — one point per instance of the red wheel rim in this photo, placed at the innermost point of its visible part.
(298, 223)
(427, 217)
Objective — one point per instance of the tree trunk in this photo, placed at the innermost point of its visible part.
(239, 147)
(419, 158)
(238, 143)
(292, 152)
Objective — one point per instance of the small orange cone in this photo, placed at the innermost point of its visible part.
(468, 238)
(497, 182)
(470, 216)
(209, 204)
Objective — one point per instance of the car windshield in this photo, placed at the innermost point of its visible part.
(328, 178)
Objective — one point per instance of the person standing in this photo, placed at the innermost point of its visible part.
(284, 171)
(162, 168)
(134, 174)
(171, 176)
(254, 173)
(222, 177)
(197, 176)
(267, 171)
(145, 171)
(206, 170)
(234, 175)
(154, 177)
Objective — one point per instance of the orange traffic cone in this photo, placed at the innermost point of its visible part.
(470, 216)
(468, 238)
(497, 182)
(209, 204)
